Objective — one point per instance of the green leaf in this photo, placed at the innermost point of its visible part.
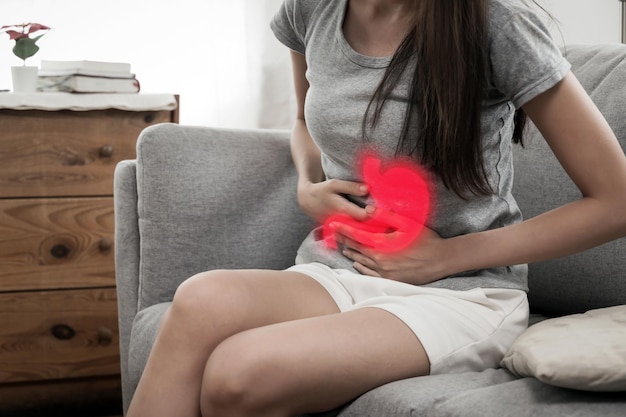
(25, 48)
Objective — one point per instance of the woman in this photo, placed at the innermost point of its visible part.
(439, 81)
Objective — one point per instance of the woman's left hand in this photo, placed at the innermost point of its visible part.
(420, 263)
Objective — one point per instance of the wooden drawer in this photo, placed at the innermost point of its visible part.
(67, 153)
(56, 243)
(93, 396)
(58, 334)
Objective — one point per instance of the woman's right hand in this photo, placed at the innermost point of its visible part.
(322, 199)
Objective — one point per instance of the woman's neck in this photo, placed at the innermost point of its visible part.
(377, 27)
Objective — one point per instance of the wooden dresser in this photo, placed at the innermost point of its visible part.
(58, 311)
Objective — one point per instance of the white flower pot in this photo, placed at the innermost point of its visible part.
(24, 79)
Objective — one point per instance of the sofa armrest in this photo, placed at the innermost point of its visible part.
(126, 254)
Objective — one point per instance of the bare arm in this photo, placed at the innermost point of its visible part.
(317, 197)
(584, 144)
(306, 155)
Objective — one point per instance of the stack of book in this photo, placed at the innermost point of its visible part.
(86, 77)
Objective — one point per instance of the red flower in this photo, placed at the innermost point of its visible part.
(23, 30)
(14, 34)
(34, 27)
(25, 46)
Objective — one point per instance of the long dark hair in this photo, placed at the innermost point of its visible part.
(445, 56)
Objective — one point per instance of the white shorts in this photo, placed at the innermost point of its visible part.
(460, 330)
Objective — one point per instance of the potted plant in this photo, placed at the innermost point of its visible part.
(25, 36)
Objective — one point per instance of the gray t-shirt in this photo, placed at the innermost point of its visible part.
(523, 61)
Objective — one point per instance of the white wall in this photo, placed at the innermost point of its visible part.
(586, 21)
(214, 52)
(211, 52)
(148, 34)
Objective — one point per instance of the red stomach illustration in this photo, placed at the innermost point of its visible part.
(402, 199)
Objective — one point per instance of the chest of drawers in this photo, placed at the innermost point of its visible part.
(58, 312)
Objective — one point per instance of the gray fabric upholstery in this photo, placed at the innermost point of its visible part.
(420, 396)
(200, 198)
(529, 397)
(143, 335)
(126, 253)
(213, 198)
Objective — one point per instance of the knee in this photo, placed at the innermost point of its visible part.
(201, 292)
(203, 303)
(240, 380)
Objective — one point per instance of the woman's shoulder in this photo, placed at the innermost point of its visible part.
(512, 5)
(305, 12)
(307, 8)
(517, 20)
(504, 10)
(296, 20)
(524, 59)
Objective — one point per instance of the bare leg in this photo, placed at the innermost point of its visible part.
(207, 309)
(309, 365)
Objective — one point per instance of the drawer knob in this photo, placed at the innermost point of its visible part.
(148, 118)
(60, 251)
(105, 336)
(106, 151)
(105, 244)
(63, 332)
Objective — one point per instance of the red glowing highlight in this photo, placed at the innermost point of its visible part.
(402, 199)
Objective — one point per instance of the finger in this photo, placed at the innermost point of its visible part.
(354, 255)
(365, 270)
(394, 220)
(344, 206)
(349, 243)
(348, 187)
(362, 236)
(353, 211)
(362, 259)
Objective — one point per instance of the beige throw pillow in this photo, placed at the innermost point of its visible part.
(581, 351)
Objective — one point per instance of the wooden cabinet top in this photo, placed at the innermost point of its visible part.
(85, 102)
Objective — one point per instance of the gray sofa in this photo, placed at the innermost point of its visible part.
(199, 198)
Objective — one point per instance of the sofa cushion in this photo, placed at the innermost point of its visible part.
(416, 397)
(143, 335)
(491, 393)
(582, 351)
(529, 397)
(197, 186)
(595, 278)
